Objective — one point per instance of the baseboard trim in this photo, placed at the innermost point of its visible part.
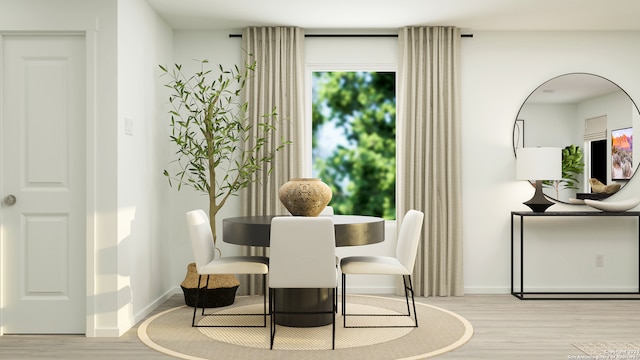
(487, 290)
(111, 332)
(123, 328)
(384, 290)
(159, 301)
(507, 291)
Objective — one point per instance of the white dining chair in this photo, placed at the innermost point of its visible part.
(400, 264)
(327, 211)
(302, 255)
(208, 264)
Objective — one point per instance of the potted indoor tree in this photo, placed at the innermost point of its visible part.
(220, 150)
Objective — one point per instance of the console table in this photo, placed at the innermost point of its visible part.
(522, 294)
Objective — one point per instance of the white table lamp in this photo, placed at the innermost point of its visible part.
(539, 164)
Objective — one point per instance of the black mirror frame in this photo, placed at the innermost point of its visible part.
(516, 127)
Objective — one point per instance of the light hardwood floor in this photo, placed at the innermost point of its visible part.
(508, 328)
(504, 328)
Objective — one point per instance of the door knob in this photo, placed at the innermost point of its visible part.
(9, 200)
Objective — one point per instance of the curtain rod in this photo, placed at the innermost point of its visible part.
(351, 35)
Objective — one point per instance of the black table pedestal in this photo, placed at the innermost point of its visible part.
(303, 300)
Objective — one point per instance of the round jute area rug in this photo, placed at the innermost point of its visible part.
(439, 331)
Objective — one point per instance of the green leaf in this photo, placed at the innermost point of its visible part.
(213, 134)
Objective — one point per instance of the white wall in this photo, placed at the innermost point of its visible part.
(549, 125)
(144, 248)
(499, 70)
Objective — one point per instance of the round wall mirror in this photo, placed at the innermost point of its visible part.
(589, 116)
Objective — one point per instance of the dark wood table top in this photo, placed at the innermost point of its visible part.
(351, 230)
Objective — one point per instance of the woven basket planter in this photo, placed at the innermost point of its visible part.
(220, 292)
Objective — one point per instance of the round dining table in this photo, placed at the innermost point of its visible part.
(350, 230)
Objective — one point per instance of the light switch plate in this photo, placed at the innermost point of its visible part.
(128, 126)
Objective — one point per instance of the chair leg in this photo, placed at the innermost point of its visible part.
(406, 294)
(264, 299)
(344, 300)
(272, 323)
(206, 286)
(409, 288)
(198, 295)
(195, 306)
(335, 308)
(333, 322)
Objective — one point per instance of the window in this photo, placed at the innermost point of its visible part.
(354, 139)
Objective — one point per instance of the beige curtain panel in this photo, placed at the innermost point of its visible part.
(278, 82)
(429, 146)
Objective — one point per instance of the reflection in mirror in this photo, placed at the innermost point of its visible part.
(594, 115)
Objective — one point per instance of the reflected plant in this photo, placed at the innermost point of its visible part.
(572, 167)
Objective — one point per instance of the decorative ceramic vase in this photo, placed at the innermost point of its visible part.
(305, 196)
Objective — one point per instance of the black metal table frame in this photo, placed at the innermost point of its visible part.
(574, 295)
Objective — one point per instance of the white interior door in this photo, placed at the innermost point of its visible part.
(43, 168)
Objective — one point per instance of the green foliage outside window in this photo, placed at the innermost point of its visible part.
(354, 140)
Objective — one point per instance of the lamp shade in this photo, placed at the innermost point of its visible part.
(539, 163)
